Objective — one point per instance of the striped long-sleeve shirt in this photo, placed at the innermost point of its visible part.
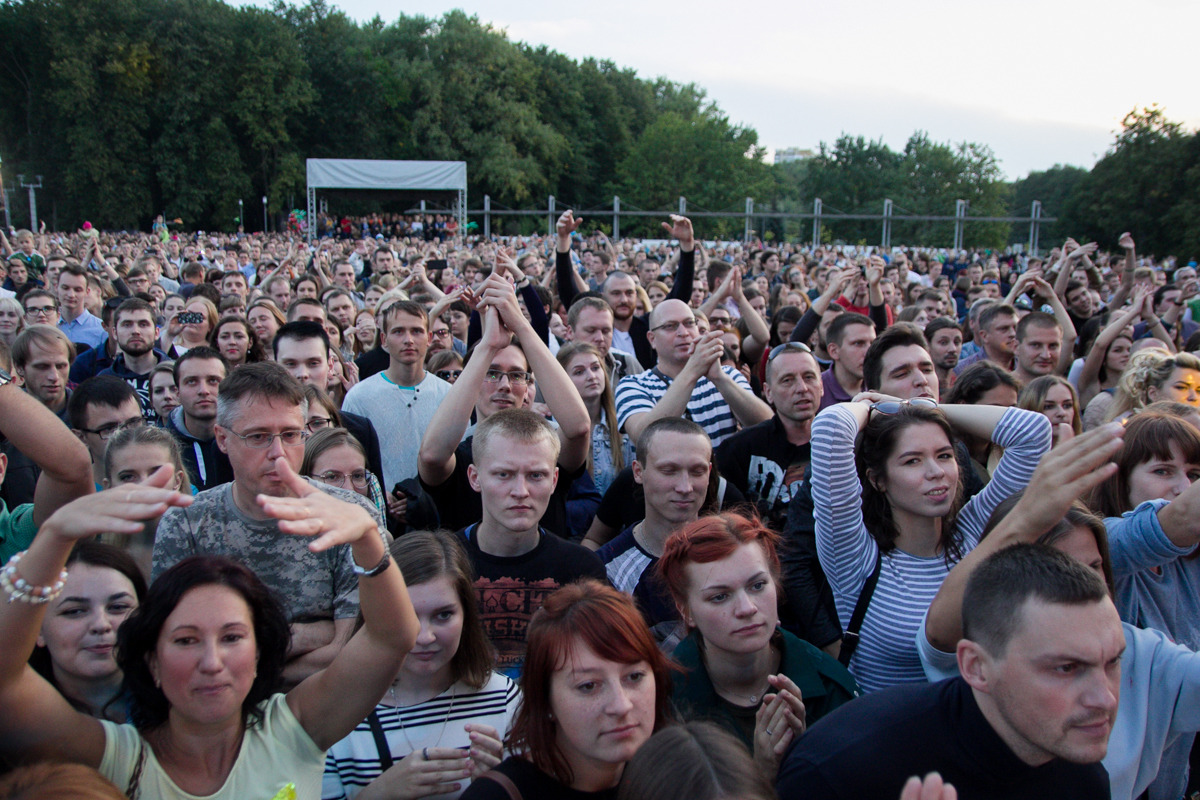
(887, 653)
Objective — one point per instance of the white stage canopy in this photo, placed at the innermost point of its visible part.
(396, 176)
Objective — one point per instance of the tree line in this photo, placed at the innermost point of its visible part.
(130, 108)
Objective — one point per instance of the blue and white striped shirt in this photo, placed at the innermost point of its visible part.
(706, 407)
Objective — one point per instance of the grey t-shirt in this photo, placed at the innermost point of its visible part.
(310, 585)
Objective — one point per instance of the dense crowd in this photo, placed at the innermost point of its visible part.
(404, 512)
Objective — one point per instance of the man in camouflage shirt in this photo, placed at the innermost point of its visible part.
(260, 419)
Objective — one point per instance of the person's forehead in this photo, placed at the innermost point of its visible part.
(41, 352)
(70, 279)
(97, 414)
(905, 355)
(619, 282)
(677, 447)
(595, 316)
(1043, 333)
(135, 317)
(859, 330)
(504, 449)
(258, 412)
(510, 358)
(201, 367)
(1087, 632)
(672, 311)
(309, 347)
(403, 320)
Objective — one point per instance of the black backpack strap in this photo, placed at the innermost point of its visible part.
(850, 638)
(381, 744)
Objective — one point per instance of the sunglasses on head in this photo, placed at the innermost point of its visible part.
(894, 406)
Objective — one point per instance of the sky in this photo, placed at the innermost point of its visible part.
(1041, 83)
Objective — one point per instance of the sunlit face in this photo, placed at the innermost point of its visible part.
(603, 710)
(1117, 357)
(587, 373)
(1059, 405)
(503, 393)
(308, 289)
(656, 295)
(80, 627)
(594, 326)
(675, 476)
(621, 293)
(1161, 478)
(264, 324)
(439, 335)
(853, 348)
(1001, 335)
(10, 321)
(341, 466)
(733, 601)
(343, 309)
(794, 386)
(164, 395)
(135, 463)
(440, 613)
(1039, 352)
(1183, 387)
(673, 345)
(515, 480)
(908, 372)
(921, 475)
(254, 469)
(233, 342)
(46, 372)
(207, 656)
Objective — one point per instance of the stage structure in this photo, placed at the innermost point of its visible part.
(444, 182)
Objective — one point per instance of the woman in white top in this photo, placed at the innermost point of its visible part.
(892, 502)
(203, 657)
(441, 721)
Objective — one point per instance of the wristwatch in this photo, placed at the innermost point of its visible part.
(378, 568)
(5, 377)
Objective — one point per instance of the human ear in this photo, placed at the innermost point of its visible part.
(974, 664)
(473, 477)
(876, 481)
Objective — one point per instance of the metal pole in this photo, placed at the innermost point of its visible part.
(264, 213)
(682, 206)
(1035, 214)
(749, 220)
(616, 218)
(550, 206)
(487, 217)
(886, 243)
(310, 222)
(960, 217)
(817, 222)
(32, 187)
(241, 220)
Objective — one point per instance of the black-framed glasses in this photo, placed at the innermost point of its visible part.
(315, 424)
(788, 347)
(894, 406)
(358, 478)
(261, 440)
(448, 374)
(440, 333)
(516, 378)
(40, 311)
(105, 432)
(690, 323)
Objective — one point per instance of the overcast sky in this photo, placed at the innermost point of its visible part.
(1042, 83)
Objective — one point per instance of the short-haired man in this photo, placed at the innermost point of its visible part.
(496, 376)
(136, 335)
(341, 306)
(630, 331)
(1039, 347)
(400, 401)
(945, 338)
(79, 324)
(198, 376)
(590, 319)
(1029, 717)
(260, 419)
(57, 464)
(849, 336)
(42, 356)
(997, 337)
(689, 380)
(234, 283)
(98, 408)
(307, 309)
(674, 458)
(518, 563)
(344, 278)
(898, 364)
(767, 461)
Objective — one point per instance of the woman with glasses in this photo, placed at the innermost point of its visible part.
(890, 521)
(334, 457)
(445, 364)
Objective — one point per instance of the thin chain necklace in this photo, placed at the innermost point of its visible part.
(400, 720)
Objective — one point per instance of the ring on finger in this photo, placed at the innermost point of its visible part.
(769, 732)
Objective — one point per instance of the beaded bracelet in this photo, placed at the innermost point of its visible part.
(18, 589)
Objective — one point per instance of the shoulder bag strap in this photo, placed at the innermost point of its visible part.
(135, 780)
(850, 638)
(381, 744)
(506, 782)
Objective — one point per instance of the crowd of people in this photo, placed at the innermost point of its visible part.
(403, 513)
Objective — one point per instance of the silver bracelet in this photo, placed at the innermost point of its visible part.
(18, 589)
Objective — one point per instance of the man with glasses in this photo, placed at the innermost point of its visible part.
(496, 375)
(401, 400)
(689, 380)
(99, 407)
(41, 308)
(260, 426)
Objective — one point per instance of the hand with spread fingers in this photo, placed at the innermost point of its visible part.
(312, 512)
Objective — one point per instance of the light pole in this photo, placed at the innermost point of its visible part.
(264, 213)
(241, 220)
(32, 187)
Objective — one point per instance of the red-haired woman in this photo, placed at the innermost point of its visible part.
(595, 687)
(743, 672)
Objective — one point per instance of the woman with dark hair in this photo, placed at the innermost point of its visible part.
(983, 383)
(742, 671)
(889, 513)
(75, 649)
(694, 761)
(203, 656)
(235, 338)
(1054, 397)
(611, 450)
(594, 688)
(443, 717)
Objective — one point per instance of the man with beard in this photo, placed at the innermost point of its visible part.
(767, 461)
(620, 289)
(136, 333)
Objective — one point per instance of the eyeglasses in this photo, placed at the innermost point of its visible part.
(358, 478)
(317, 423)
(263, 440)
(515, 378)
(788, 347)
(450, 374)
(105, 432)
(894, 406)
(440, 333)
(39, 311)
(670, 327)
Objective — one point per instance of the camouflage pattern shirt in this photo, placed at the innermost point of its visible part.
(311, 586)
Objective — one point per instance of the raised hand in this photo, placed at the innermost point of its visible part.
(123, 509)
(1126, 240)
(567, 224)
(681, 228)
(312, 512)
